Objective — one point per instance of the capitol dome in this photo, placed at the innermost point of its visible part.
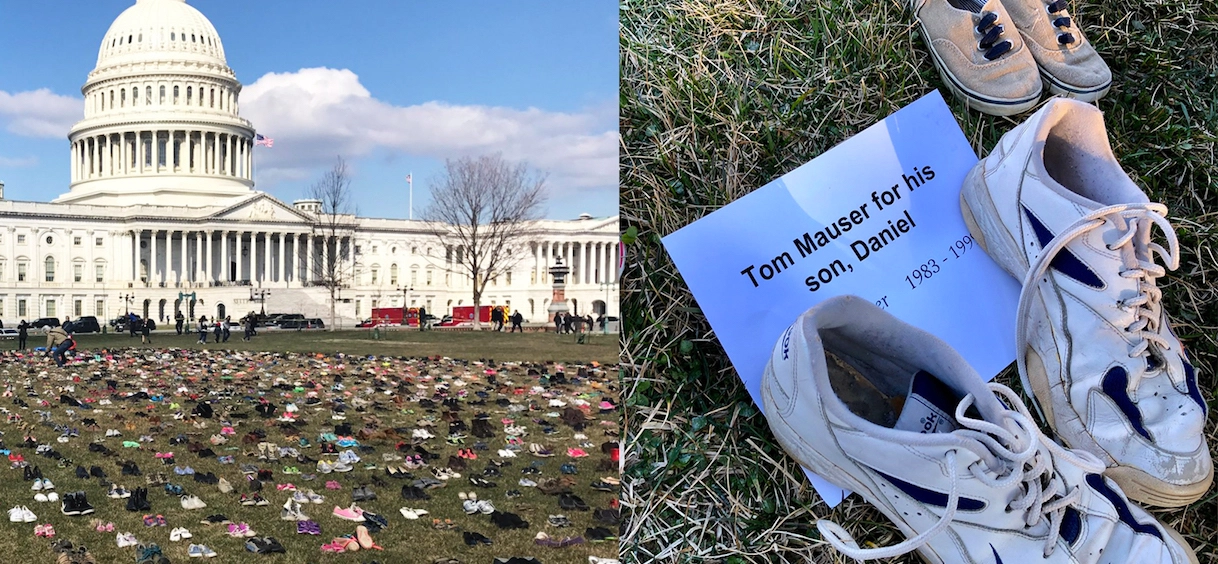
(162, 122)
(160, 29)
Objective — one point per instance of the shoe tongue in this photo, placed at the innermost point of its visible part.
(929, 406)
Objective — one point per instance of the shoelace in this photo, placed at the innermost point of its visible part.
(1060, 21)
(1009, 453)
(1137, 219)
(991, 31)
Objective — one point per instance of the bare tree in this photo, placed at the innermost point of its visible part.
(334, 222)
(482, 211)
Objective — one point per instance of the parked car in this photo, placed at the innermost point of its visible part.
(121, 324)
(367, 323)
(45, 323)
(9, 334)
(299, 324)
(86, 324)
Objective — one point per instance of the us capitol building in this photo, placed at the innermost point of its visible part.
(161, 214)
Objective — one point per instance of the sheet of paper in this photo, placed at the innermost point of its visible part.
(877, 216)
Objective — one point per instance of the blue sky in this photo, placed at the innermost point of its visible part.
(374, 81)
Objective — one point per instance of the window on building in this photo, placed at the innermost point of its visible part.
(189, 94)
(135, 95)
(97, 242)
(357, 309)
(357, 249)
(508, 278)
(122, 97)
(99, 272)
(374, 274)
(50, 240)
(50, 269)
(2, 265)
(429, 277)
(51, 308)
(76, 241)
(22, 267)
(21, 308)
(374, 249)
(393, 275)
(414, 277)
(78, 307)
(414, 250)
(448, 279)
(147, 95)
(175, 95)
(78, 272)
(21, 239)
(374, 303)
(212, 98)
(161, 100)
(99, 308)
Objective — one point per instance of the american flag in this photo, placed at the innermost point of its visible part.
(407, 178)
(264, 141)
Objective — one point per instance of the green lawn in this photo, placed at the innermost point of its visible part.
(533, 347)
(719, 98)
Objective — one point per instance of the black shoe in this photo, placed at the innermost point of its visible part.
(69, 506)
(607, 516)
(37, 473)
(97, 472)
(602, 486)
(82, 473)
(571, 502)
(27, 474)
(412, 492)
(598, 534)
(474, 539)
(82, 504)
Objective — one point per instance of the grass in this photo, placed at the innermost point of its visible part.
(719, 97)
(162, 370)
(534, 347)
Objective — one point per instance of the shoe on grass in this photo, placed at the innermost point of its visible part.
(1095, 349)
(979, 54)
(1069, 65)
(960, 466)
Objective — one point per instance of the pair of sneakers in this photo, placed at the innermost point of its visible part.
(997, 55)
(884, 409)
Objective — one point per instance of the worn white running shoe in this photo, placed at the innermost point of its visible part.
(1052, 206)
(885, 409)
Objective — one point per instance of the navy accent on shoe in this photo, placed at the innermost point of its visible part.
(1072, 525)
(997, 559)
(932, 497)
(1190, 378)
(1100, 485)
(1064, 262)
(1115, 382)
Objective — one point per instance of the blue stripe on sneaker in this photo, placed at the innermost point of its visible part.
(997, 559)
(1100, 485)
(1190, 378)
(1115, 383)
(932, 497)
(1072, 525)
(1065, 262)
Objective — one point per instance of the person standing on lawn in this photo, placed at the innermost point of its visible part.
(131, 317)
(202, 329)
(225, 329)
(517, 319)
(422, 319)
(146, 333)
(23, 332)
(179, 320)
(215, 329)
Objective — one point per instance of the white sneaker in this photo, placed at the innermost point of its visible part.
(961, 467)
(27, 515)
(1053, 207)
(124, 540)
(470, 506)
(37, 485)
(41, 497)
(175, 535)
(16, 515)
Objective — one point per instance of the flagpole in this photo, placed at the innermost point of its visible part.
(410, 181)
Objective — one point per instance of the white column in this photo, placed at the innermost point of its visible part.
(156, 151)
(266, 256)
(135, 255)
(152, 271)
(280, 271)
(204, 243)
(72, 167)
(183, 275)
(224, 256)
(240, 255)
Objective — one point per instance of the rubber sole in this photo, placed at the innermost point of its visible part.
(1144, 488)
(1058, 88)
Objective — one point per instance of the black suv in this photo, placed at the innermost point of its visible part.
(121, 324)
(45, 323)
(86, 324)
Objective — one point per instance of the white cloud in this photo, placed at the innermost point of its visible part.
(40, 113)
(18, 162)
(315, 114)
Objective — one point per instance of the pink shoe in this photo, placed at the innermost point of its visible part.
(332, 485)
(576, 453)
(348, 514)
(607, 405)
(285, 487)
